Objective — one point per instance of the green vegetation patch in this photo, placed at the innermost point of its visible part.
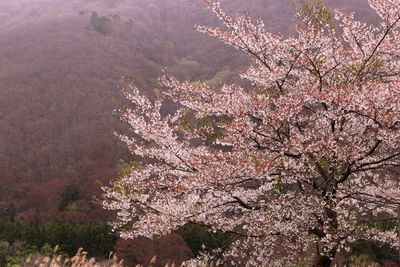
(219, 77)
(197, 237)
(100, 23)
(70, 196)
(188, 63)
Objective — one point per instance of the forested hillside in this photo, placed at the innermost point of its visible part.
(61, 69)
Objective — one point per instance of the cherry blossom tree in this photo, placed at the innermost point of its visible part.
(306, 158)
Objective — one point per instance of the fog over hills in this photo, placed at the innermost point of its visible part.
(61, 63)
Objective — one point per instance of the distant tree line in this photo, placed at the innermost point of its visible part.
(17, 240)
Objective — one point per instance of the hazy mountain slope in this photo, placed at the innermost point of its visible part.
(59, 72)
(58, 89)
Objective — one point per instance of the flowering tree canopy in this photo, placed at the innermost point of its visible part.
(307, 156)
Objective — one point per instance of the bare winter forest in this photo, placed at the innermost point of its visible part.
(62, 68)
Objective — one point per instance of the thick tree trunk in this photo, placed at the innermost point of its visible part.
(322, 261)
(338, 261)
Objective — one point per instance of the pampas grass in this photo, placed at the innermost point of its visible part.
(81, 260)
